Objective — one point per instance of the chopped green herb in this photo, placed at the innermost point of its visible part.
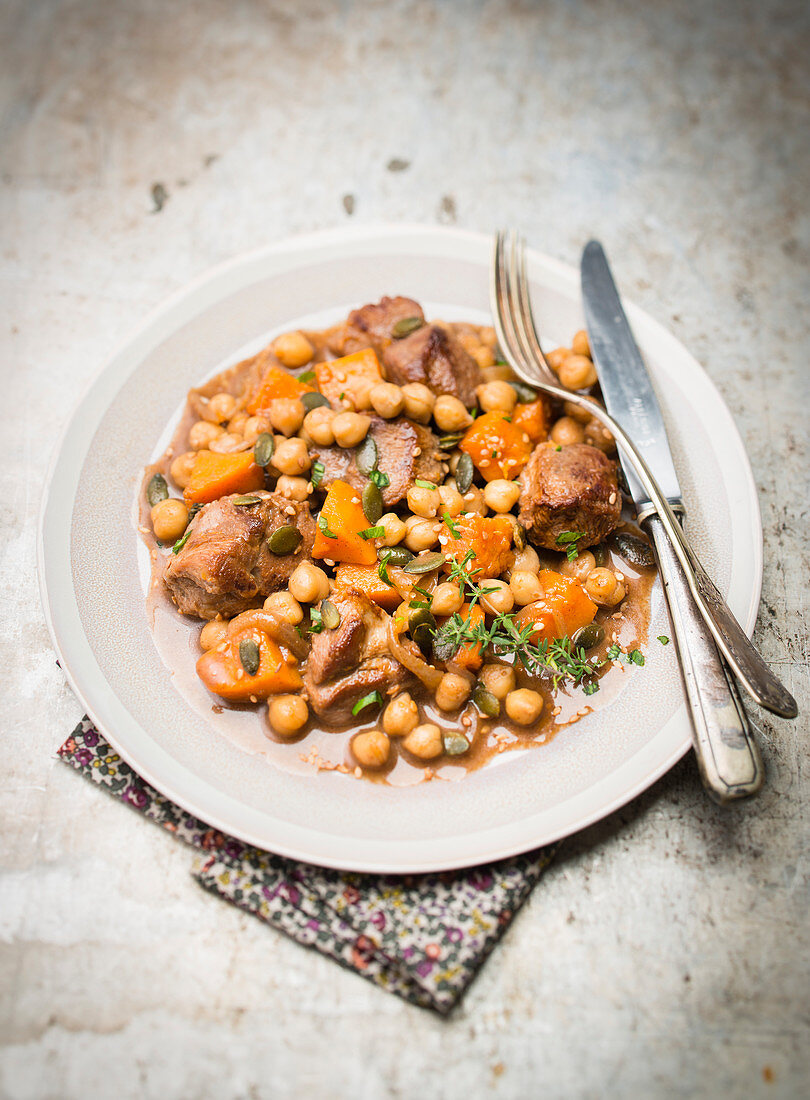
(342, 396)
(324, 527)
(381, 480)
(558, 447)
(569, 539)
(424, 484)
(318, 470)
(419, 604)
(307, 376)
(424, 592)
(590, 689)
(451, 527)
(372, 532)
(613, 653)
(382, 568)
(636, 657)
(316, 621)
(374, 698)
(663, 639)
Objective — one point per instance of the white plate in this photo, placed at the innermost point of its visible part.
(88, 560)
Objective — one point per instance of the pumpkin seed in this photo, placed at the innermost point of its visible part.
(634, 549)
(285, 540)
(421, 617)
(246, 501)
(263, 449)
(312, 401)
(588, 636)
(464, 474)
(396, 555)
(455, 744)
(425, 563)
(525, 393)
(330, 615)
(406, 326)
(486, 702)
(450, 441)
(423, 638)
(600, 554)
(157, 490)
(249, 656)
(372, 503)
(365, 457)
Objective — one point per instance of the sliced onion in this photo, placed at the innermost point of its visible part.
(266, 622)
(408, 656)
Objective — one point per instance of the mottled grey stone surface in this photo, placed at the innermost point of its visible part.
(666, 953)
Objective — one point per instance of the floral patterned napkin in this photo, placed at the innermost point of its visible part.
(423, 937)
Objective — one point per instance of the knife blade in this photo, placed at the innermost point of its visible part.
(728, 758)
(626, 385)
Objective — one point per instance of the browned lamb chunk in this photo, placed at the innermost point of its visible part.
(226, 566)
(372, 325)
(433, 356)
(572, 488)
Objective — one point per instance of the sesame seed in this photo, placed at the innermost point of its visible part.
(612, 498)
(417, 451)
(358, 772)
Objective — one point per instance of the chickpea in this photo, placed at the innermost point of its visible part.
(254, 426)
(423, 502)
(318, 426)
(220, 408)
(293, 488)
(285, 607)
(557, 357)
(169, 519)
(387, 400)
(604, 587)
(287, 714)
(421, 534)
(400, 716)
(526, 588)
(293, 349)
(425, 741)
(395, 529)
(452, 691)
(450, 414)
(371, 748)
(501, 495)
(567, 431)
(213, 634)
(419, 402)
(236, 424)
(181, 469)
(350, 428)
(501, 372)
(447, 598)
(483, 356)
(496, 397)
(291, 457)
(451, 498)
(468, 338)
(582, 565)
(286, 415)
(576, 412)
(202, 433)
(524, 706)
(580, 345)
(361, 393)
(526, 561)
(499, 679)
(226, 443)
(577, 373)
(597, 435)
(308, 583)
(474, 501)
(497, 602)
(488, 336)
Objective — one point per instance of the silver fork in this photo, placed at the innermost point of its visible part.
(517, 336)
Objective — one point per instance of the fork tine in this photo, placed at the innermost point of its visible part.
(502, 315)
(525, 322)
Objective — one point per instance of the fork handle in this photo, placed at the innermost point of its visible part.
(728, 757)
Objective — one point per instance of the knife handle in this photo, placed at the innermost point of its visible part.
(728, 757)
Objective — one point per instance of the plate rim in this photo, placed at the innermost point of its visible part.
(348, 235)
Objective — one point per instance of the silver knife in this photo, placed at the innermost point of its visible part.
(728, 757)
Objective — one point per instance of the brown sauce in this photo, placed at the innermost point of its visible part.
(316, 747)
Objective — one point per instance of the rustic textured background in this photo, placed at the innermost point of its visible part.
(666, 952)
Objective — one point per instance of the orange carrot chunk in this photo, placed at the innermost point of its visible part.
(490, 540)
(366, 579)
(470, 656)
(350, 378)
(223, 672)
(276, 382)
(532, 419)
(498, 448)
(214, 476)
(563, 609)
(339, 525)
